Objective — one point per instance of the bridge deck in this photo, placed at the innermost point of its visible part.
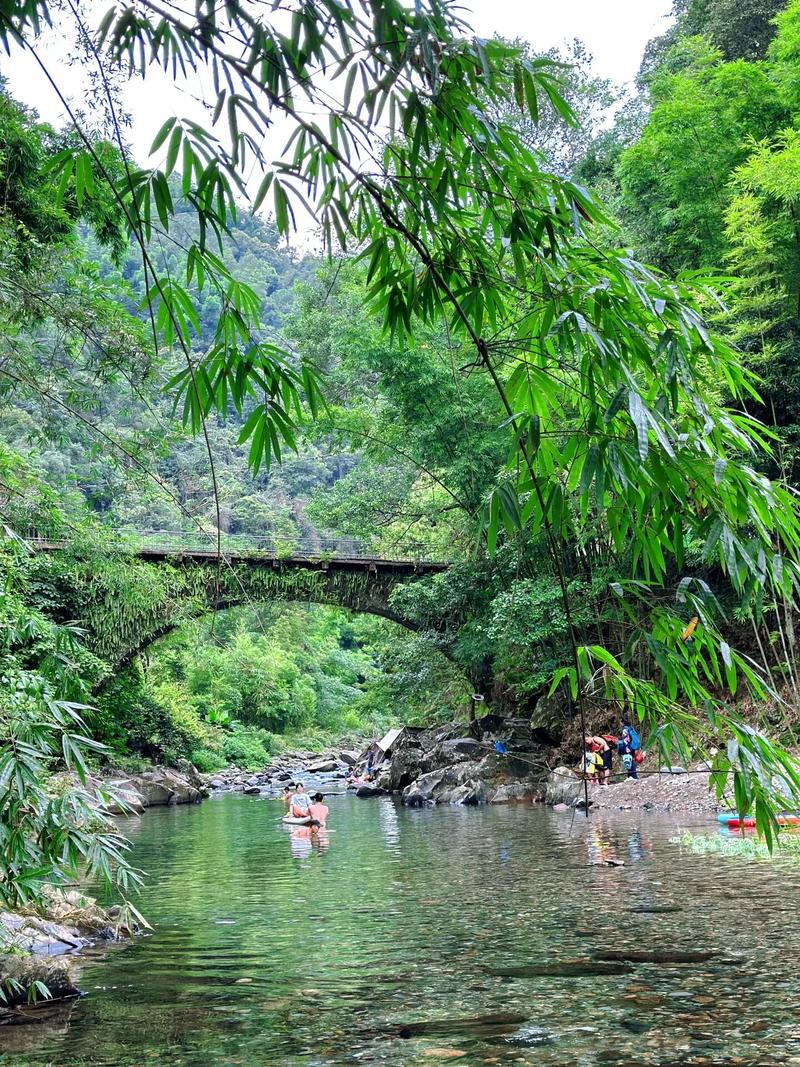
(333, 559)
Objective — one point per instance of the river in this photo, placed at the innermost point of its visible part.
(268, 950)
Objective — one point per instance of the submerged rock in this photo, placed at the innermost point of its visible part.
(530, 1037)
(476, 1026)
(581, 968)
(643, 956)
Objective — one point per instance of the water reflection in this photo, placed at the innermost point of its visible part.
(389, 822)
(305, 840)
(450, 917)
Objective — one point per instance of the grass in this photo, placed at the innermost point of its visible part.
(750, 847)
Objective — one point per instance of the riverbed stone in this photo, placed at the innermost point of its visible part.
(367, 790)
(325, 766)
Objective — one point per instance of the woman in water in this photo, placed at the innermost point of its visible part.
(300, 803)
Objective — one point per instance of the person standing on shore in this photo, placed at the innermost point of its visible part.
(627, 751)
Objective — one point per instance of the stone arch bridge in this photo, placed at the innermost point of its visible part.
(128, 599)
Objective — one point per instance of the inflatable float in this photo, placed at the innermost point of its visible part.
(293, 820)
(733, 822)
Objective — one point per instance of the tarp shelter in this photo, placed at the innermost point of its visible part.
(387, 743)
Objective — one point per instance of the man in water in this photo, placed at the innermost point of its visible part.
(300, 803)
(318, 810)
(288, 789)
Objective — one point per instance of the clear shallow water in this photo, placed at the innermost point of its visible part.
(267, 951)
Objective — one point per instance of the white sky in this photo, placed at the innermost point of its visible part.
(615, 32)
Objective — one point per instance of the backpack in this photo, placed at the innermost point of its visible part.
(635, 742)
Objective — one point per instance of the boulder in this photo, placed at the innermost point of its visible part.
(41, 937)
(165, 786)
(128, 797)
(471, 792)
(425, 789)
(252, 790)
(348, 756)
(56, 974)
(508, 792)
(460, 748)
(366, 790)
(323, 766)
(406, 764)
(384, 779)
(550, 716)
(462, 783)
(563, 787)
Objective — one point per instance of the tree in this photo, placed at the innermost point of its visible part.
(673, 179)
(562, 145)
(740, 29)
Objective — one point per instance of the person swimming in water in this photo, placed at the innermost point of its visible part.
(318, 810)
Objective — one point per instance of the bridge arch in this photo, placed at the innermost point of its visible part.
(126, 601)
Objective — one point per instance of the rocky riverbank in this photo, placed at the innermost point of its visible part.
(456, 763)
(156, 787)
(39, 946)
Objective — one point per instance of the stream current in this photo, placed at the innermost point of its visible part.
(487, 925)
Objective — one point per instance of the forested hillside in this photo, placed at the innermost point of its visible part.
(94, 447)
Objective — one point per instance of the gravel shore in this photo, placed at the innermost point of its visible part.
(688, 792)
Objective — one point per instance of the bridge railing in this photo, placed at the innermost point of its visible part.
(181, 542)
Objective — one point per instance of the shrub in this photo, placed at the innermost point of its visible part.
(206, 761)
(247, 747)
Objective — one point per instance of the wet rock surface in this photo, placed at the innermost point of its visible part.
(443, 766)
(472, 1026)
(40, 945)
